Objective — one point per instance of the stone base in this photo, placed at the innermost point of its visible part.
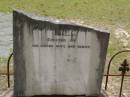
(65, 96)
(102, 95)
(10, 94)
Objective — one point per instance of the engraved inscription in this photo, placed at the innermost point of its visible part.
(48, 39)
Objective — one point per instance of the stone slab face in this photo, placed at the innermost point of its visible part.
(57, 58)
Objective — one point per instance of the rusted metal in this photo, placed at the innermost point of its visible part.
(124, 68)
(116, 75)
(5, 73)
(108, 68)
(8, 69)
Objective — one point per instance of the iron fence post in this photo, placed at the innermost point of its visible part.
(8, 69)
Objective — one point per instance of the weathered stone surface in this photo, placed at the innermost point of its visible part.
(57, 58)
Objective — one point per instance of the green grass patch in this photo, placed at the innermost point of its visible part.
(104, 11)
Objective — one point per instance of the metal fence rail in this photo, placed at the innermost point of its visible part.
(8, 70)
(124, 67)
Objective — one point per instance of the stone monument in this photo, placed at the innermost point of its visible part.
(53, 57)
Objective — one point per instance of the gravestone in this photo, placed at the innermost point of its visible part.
(53, 57)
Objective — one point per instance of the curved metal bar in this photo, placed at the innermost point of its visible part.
(108, 68)
(8, 69)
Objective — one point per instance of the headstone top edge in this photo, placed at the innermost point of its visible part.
(59, 21)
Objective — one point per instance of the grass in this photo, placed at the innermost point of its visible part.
(104, 11)
(109, 13)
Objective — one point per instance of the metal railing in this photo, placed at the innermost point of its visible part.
(124, 67)
(7, 73)
(8, 69)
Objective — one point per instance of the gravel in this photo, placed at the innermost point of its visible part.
(3, 83)
(114, 84)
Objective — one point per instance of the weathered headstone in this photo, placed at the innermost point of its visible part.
(57, 58)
